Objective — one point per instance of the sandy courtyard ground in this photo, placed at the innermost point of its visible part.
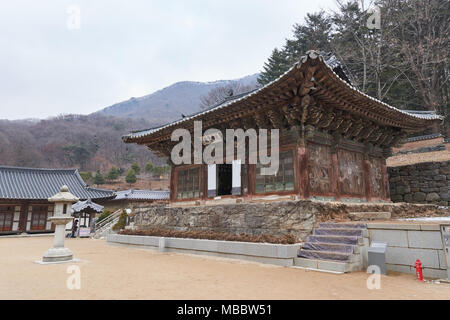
(116, 272)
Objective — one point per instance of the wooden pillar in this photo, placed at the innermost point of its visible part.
(173, 185)
(335, 174)
(302, 174)
(246, 177)
(204, 181)
(251, 179)
(301, 170)
(245, 181)
(367, 184)
(23, 216)
(387, 191)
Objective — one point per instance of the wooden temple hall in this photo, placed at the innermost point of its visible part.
(334, 140)
(24, 193)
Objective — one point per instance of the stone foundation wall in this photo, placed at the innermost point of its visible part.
(421, 183)
(275, 218)
(408, 242)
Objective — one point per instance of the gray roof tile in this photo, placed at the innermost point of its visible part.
(88, 204)
(40, 184)
(142, 195)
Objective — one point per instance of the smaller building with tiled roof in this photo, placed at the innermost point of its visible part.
(24, 192)
(152, 195)
(137, 198)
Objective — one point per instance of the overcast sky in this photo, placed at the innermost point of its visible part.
(50, 64)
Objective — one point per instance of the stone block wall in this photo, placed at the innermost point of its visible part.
(421, 183)
(297, 218)
(408, 242)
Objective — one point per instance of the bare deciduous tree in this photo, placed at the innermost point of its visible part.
(219, 94)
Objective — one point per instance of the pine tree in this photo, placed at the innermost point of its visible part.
(149, 166)
(274, 67)
(113, 174)
(315, 34)
(131, 177)
(99, 179)
(137, 169)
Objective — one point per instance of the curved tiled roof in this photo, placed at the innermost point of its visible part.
(88, 204)
(425, 137)
(310, 55)
(40, 184)
(142, 195)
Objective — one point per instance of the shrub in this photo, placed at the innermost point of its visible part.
(104, 215)
(149, 166)
(212, 235)
(86, 176)
(122, 221)
(161, 170)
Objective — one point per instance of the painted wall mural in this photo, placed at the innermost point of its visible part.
(320, 166)
(376, 177)
(351, 174)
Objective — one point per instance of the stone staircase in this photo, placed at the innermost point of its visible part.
(335, 247)
(104, 228)
(370, 216)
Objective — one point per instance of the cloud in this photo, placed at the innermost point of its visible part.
(123, 49)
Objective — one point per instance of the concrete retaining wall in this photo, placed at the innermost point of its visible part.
(421, 183)
(278, 254)
(408, 242)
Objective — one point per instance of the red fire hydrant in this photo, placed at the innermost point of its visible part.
(419, 272)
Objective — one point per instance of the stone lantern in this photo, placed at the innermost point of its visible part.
(62, 216)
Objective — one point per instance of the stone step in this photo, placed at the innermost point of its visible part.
(340, 232)
(325, 265)
(335, 225)
(370, 215)
(354, 240)
(331, 247)
(324, 255)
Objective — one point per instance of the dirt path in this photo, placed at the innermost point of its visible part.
(113, 272)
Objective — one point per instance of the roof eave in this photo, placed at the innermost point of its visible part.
(139, 136)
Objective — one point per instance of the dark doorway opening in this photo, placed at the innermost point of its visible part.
(224, 179)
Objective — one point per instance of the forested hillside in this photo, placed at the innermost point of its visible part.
(94, 142)
(404, 63)
(86, 142)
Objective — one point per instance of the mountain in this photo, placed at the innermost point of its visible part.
(93, 142)
(168, 104)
